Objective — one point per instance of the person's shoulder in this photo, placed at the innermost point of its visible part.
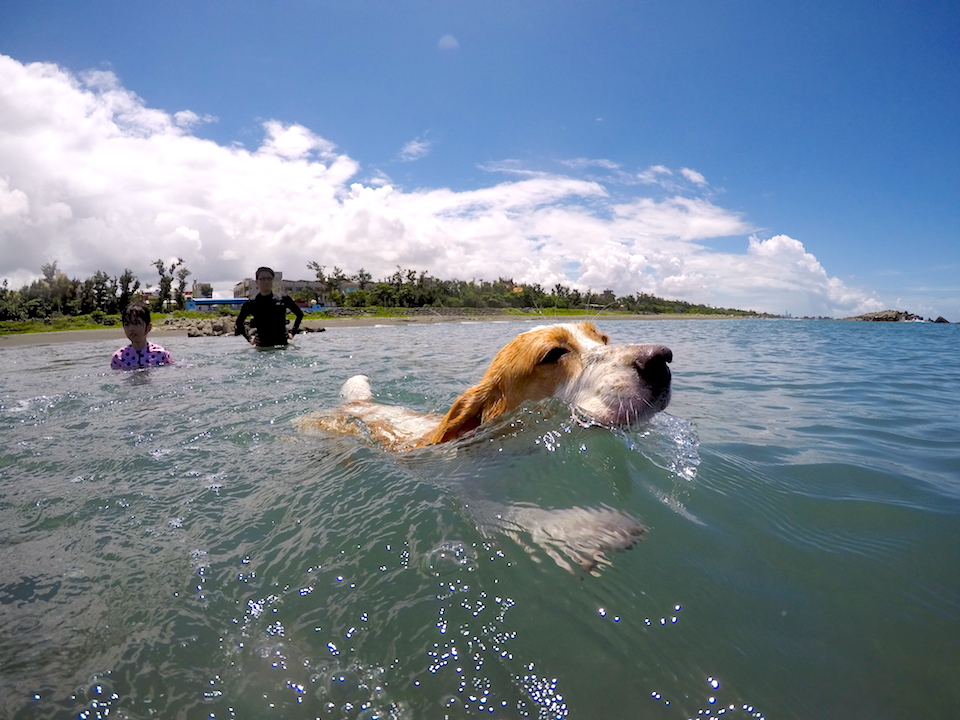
(119, 357)
(158, 354)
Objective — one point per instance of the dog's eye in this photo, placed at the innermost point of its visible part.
(554, 355)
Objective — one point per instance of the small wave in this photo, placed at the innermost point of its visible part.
(670, 443)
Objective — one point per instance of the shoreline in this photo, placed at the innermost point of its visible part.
(56, 337)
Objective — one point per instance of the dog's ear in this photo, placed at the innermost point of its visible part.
(475, 406)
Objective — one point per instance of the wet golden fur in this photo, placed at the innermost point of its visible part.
(610, 384)
(571, 361)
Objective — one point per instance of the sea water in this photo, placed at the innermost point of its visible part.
(172, 548)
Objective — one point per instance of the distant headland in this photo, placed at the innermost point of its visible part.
(895, 316)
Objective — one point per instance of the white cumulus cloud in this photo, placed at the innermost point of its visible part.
(414, 150)
(188, 120)
(693, 176)
(92, 178)
(580, 163)
(654, 174)
(448, 42)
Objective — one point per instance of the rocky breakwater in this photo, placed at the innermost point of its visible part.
(201, 327)
(894, 316)
(215, 326)
(420, 312)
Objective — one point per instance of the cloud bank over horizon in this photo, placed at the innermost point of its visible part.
(92, 178)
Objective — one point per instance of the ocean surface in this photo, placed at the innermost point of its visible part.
(171, 548)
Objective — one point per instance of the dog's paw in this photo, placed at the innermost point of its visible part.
(582, 536)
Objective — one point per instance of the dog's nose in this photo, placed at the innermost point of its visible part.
(651, 362)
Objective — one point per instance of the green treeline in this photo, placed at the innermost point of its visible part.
(100, 296)
(410, 289)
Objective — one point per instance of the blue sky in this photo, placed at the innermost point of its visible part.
(787, 157)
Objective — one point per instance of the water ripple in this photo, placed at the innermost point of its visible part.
(172, 548)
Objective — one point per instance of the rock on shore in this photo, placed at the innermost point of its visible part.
(224, 324)
(215, 326)
(894, 316)
(198, 327)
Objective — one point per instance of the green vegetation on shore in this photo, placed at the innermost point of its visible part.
(86, 322)
(58, 323)
(56, 302)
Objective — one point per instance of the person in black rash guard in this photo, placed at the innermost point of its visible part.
(268, 312)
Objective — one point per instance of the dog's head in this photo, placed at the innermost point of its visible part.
(612, 384)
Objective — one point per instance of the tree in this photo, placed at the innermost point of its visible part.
(383, 294)
(337, 278)
(318, 269)
(166, 282)
(102, 295)
(128, 285)
(54, 289)
(560, 296)
(182, 275)
(103, 292)
(11, 308)
(37, 308)
(304, 295)
(49, 271)
(363, 278)
(163, 290)
(532, 296)
(358, 298)
(335, 282)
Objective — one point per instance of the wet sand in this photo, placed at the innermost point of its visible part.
(159, 332)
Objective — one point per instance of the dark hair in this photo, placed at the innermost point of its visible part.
(136, 312)
(256, 275)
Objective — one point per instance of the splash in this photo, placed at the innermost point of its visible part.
(670, 443)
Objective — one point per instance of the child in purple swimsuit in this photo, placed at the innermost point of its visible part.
(139, 353)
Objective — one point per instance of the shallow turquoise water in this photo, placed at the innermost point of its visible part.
(171, 548)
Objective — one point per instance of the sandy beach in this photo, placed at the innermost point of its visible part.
(159, 331)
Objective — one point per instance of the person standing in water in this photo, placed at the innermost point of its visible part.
(268, 312)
